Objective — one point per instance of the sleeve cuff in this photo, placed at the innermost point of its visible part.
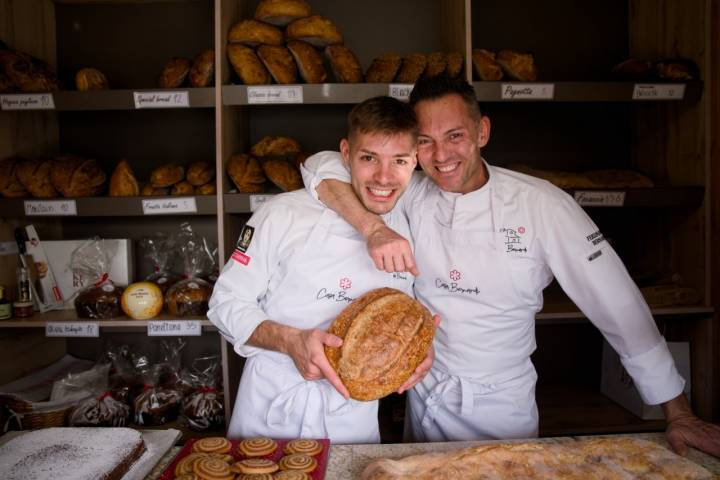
(655, 375)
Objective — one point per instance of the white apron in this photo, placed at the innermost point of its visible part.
(482, 384)
(273, 399)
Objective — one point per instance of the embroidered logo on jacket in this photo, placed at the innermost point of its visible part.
(345, 283)
(340, 295)
(245, 238)
(455, 275)
(240, 257)
(453, 286)
(514, 240)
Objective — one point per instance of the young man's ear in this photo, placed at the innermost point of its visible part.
(345, 152)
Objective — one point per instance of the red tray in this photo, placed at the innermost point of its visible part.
(317, 474)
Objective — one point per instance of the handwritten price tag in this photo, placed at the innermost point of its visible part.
(527, 91)
(589, 198)
(172, 328)
(662, 91)
(164, 206)
(400, 91)
(27, 101)
(257, 200)
(72, 329)
(274, 94)
(162, 99)
(50, 207)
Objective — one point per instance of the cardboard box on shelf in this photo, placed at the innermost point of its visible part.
(48, 290)
(617, 384)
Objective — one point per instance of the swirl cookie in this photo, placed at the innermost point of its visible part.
(255, 476)
(255, 465)
(298, 461)
(225, 457)
(257, 447)
(185, 465)
(187, 476)
(304, 446)
(209, 468)
(292, 475)
(212, 445)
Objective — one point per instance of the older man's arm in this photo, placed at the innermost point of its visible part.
(685, 430)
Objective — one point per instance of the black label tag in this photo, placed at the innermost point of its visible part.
(595, 255)
(245, 238)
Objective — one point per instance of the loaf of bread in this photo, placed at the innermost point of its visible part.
(455, 62)
(75, 176)
(384, 68)
(200, 173)
(149, 191)
(345, 65)
(207, 189)
(247, 65)
(411, 68)
(123, 182)
(87, 79)
(202, 70)
(308, 60)
(283, 173)
(677, 70)
(485, 65)
(6, 85)
(167, 175)
(253, 33)
(10, 185)
(634, 70)
(279, 62)
(275, 146)
(518, 65)
(281, 12)
(246, 173)
(35, 177)
(182, 188)
(315, 30)
(591, 179)
(386, 335)
(436, 64)
(174, 73)
(27, 73)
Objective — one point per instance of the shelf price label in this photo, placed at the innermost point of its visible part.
(275, 94)
(162, 99)
(527, 91)
(164, 206)
(400, 91)
(50, 208)
(661, 91)
(72, 329)
(27, 101)
(173, 328)
(257, 200)
(592, 198)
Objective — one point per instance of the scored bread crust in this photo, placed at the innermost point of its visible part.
(386, 335)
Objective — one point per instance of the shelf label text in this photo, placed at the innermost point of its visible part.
(400, 91)
(661, 91)
(257, 200)
(163, 206)
(527, 91)
(72, 329)
(171, 328)
(275, 94)
(591, 198)
(50, 207)
(162, 99)
(27, 101)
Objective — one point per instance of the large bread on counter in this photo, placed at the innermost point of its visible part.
(602, 458)
(386, 335)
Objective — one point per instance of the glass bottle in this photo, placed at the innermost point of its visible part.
(5, 307)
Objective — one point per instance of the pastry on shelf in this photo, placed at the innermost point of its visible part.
(633, 69)
(189, 297)
(597, 179)
(6, 85)
(35, 177)
(200, 173)
(247, 65)
(281, 12)
(275, 146)
(677, 70)
(167, 175)
(518, 65)
(283, 173)
(412, 68)
(206, 189)
(485, 65)
(315, 30)
(344, 63)
(88, 79)
(182, 188)
(279, 62)
(149, 191)
(75, 176)
(28, 74)
(384, 68)
(253, 33)
(123, 182)
(202, 70)
(10, 185)
(308, 60)
(455, 62)
(436, 64)
(246, 173)
(174, 73)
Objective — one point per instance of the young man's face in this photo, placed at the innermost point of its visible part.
(450, 142)
(380, 166)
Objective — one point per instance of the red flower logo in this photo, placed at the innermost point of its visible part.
(455, 275)
(345, 283)
(521, 230)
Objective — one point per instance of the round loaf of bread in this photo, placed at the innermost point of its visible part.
(281, 12)
(386, 335)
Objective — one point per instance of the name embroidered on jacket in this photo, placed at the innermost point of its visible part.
(595, 238)
(513, 240)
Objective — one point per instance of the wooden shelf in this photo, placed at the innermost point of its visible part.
(40, 320)
(124, 99)
(107, 206)
(559, 313)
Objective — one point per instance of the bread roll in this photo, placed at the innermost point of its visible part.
(199, 173)
(279, 62)
(27, 73)
(167, 175)
(182, 188)
(281, 12)
(35, 177)
(518, 65)
(75, 176)
(308, 60)
(275, 146)
(386, 334)
(203, 69)
(384, 68)
(87, 79)
(283, 173)
(10, 185)
(149, 191)
(412, 68)
(345, 65)
(246, 173)
(677, 70)
(455, 62)
(315, 30)
(253, 33)
(247, 65)
(633, 70)
(174, 73)
(207, 189)
(123, 182)
(485, 66)
(436, 64)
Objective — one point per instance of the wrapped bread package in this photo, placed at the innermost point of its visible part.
(279, 62)
(246, 173)
(485, 65)
(345, 64)
(384, 68)
(247, 65)
(281, 12)
(203, 69)
(253, 33)
(123, 182)
(308, 60)
(386, 335)
(174, 73)
(87, 79)
(315, 30)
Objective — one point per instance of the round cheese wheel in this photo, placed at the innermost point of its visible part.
(142, 300)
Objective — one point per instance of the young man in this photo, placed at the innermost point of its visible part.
(487, 242)
(296, 266)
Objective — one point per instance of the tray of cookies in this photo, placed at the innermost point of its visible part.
(255, 458)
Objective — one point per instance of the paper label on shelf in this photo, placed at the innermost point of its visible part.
(400, 91)
(50, 207)
(591, 198)
(27, 101)
(661, 91)
(163, 206)
(527, 91)
(257, 200)
(275, 94)
(72, 329)
(171, 328)
(162, 99)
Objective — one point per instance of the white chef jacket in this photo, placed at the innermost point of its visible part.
(301, 265)
(484, 258)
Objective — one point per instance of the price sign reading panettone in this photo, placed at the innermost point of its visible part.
(293, 94)
(27, 101)
(161, 99)
(171, 328)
